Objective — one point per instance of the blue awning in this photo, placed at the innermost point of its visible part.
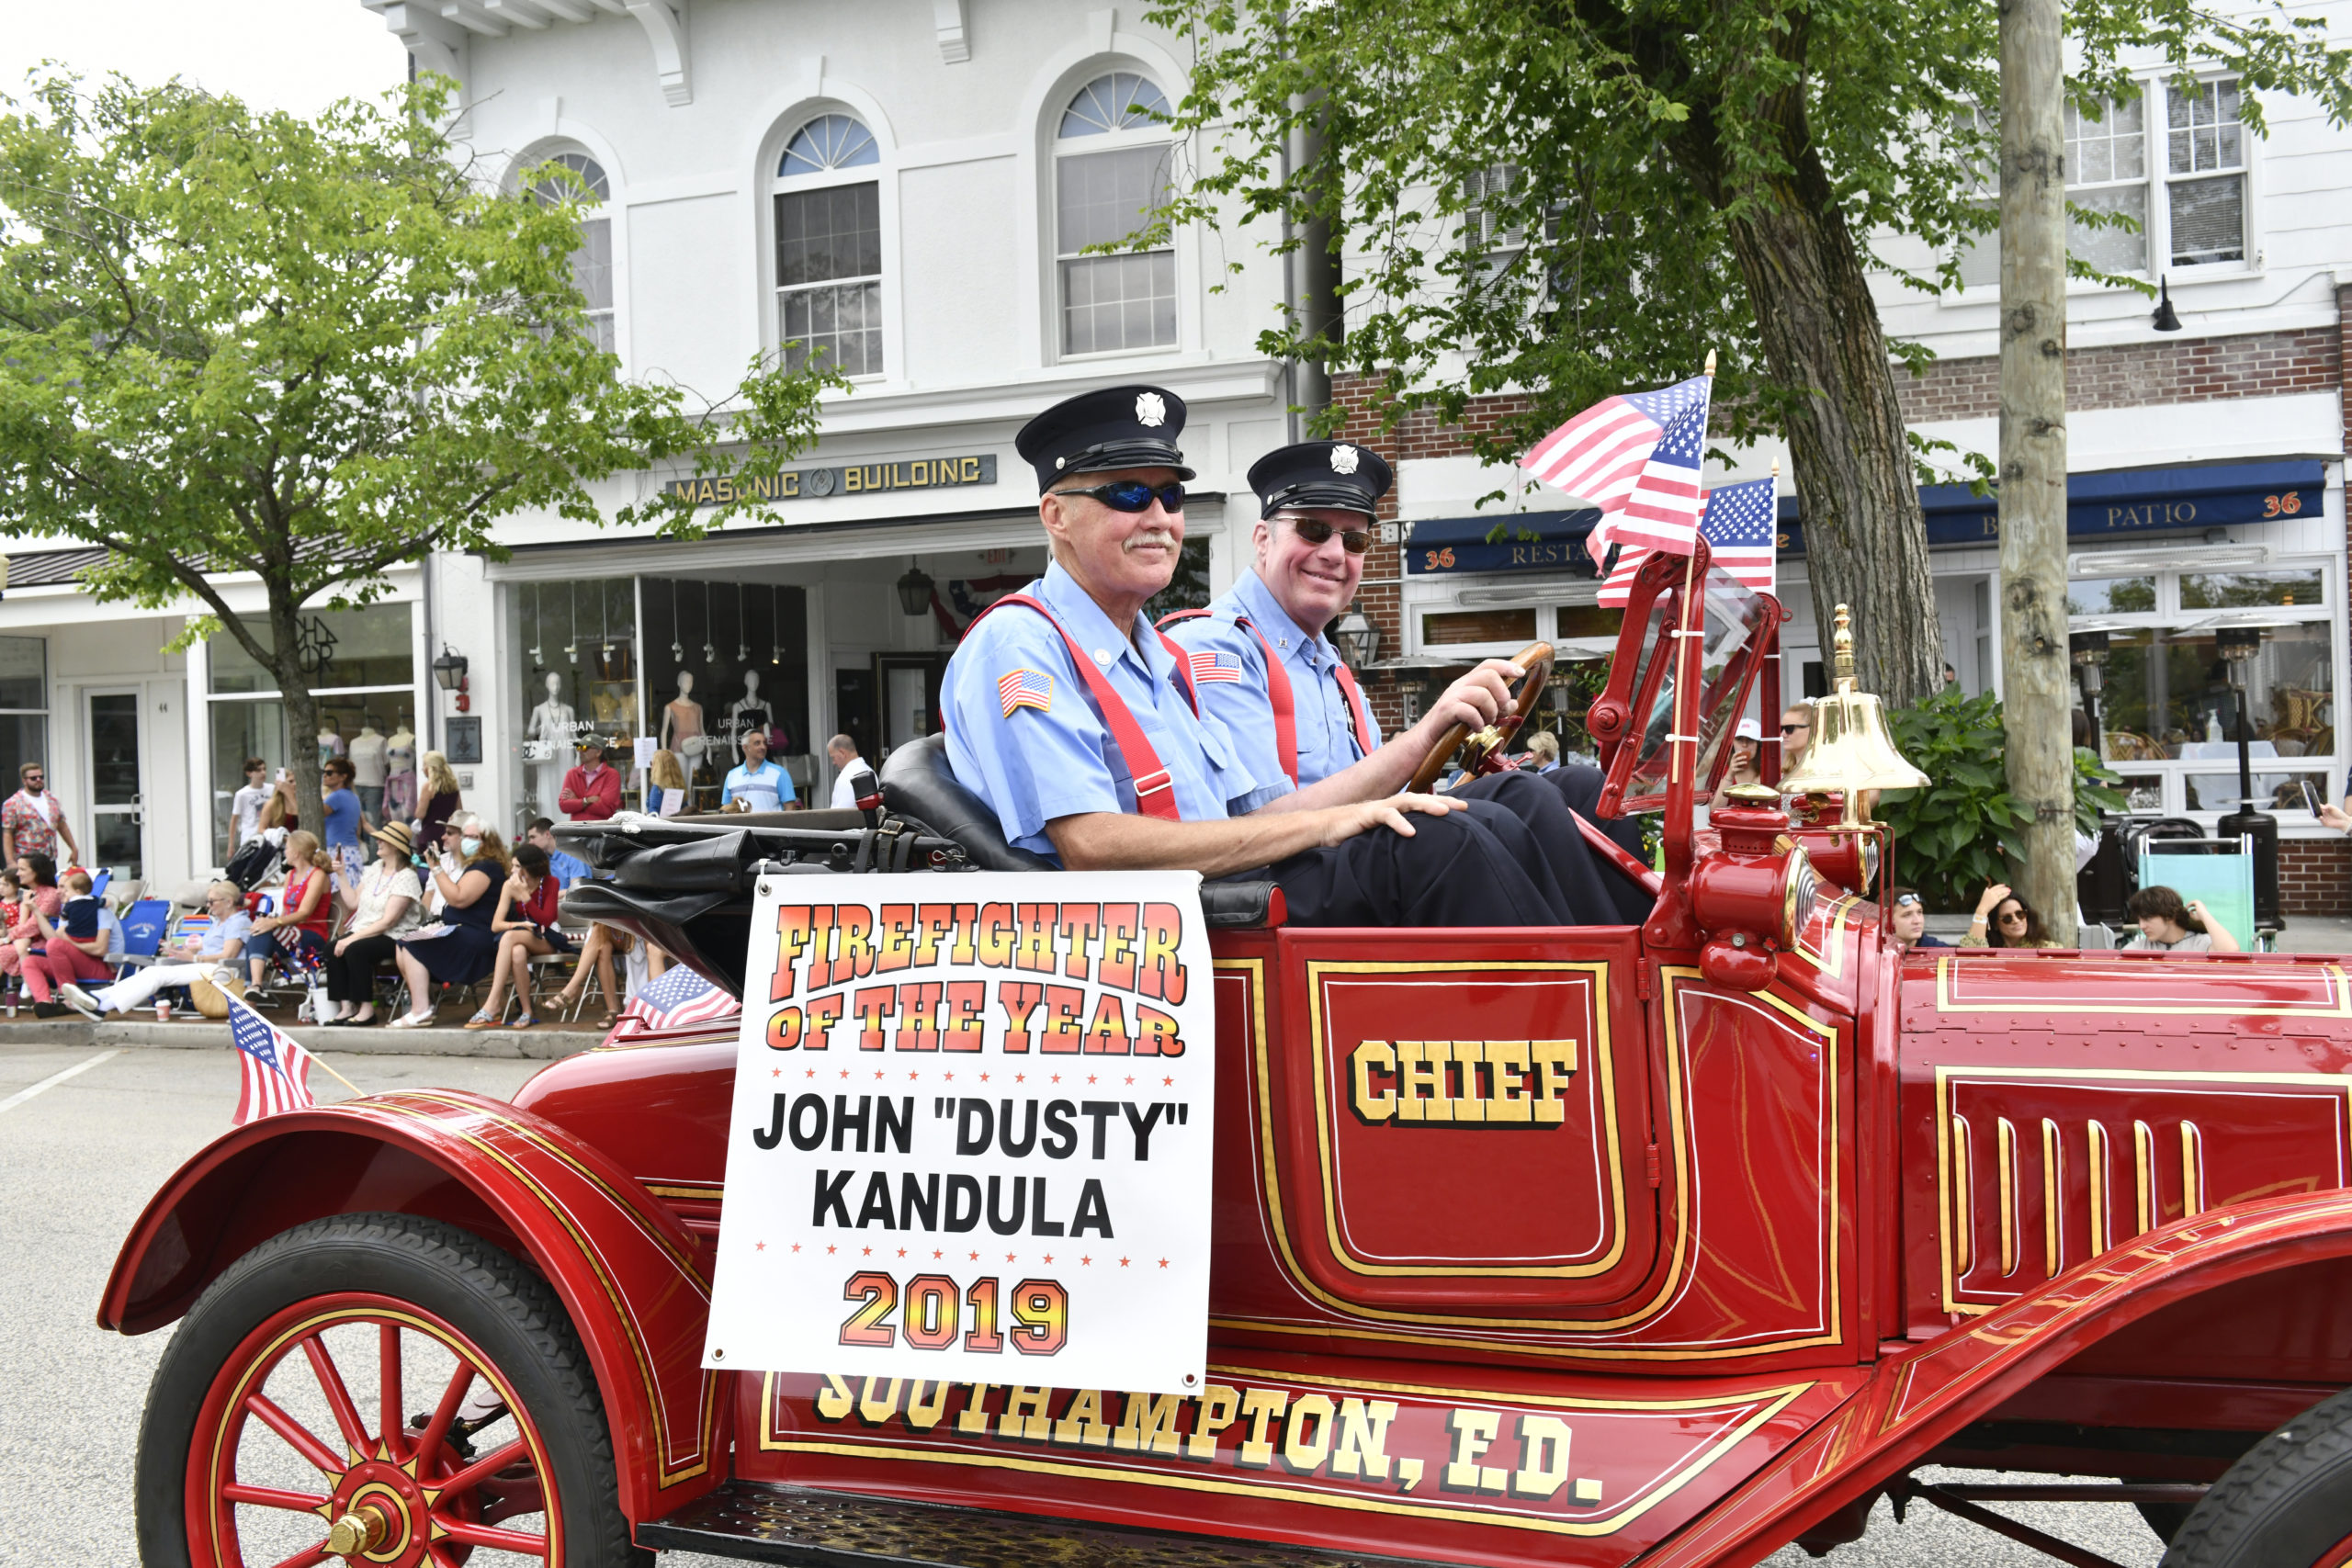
(1501, 541)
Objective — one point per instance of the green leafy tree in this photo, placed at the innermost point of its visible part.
(1575, 197)
(1961, 832)
(238, 344)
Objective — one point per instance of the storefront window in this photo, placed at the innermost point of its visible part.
(2110, 595)
(361, 664)
(23, 703)
(722, 659)
(368, 646)
(2236, 589)
(578, 658)
(2168, 697)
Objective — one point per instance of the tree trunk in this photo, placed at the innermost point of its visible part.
(2034, 665)
(300, 707)
(1866, 544)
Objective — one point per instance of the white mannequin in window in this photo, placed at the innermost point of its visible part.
(682, 727)
(370, 764)
(748, 712)
(547, 740)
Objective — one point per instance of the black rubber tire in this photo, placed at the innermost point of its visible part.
(2282, 1505)
(512, 1314)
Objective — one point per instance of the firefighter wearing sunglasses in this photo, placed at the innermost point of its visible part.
(1081, 729)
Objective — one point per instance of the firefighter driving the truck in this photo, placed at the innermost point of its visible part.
(1084, 730)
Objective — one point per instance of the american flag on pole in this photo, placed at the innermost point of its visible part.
(1741, 526)
(1637, 458)
(274, 1071)
(679, 999)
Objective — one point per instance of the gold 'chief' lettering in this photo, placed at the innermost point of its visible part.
(1451, 1082)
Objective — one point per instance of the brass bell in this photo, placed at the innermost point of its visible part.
(1851, 750)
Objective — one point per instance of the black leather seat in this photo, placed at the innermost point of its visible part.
(918, 783)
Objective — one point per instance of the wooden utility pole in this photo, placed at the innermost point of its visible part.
(2034, 666)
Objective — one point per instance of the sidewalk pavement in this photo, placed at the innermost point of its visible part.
(540, 1043)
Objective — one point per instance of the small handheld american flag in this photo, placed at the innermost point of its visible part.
(274, 1071)
(1741, 526)
(1637, 458)
(679, 999)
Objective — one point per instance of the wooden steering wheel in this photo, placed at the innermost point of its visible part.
(1534, 663)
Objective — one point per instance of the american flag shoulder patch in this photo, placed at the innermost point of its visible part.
(1025, 689)
(1210, 665)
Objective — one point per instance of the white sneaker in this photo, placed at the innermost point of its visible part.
(81, 1001)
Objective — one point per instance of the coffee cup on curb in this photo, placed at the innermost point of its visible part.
(162, 1009)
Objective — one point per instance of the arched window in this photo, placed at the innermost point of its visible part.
(592, 264)
(828, 247)
(1111, 163)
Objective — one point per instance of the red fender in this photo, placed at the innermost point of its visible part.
(636, 1283)
(1918, 1397)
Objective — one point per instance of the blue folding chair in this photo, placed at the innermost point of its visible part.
(98, 881)
(143, 926)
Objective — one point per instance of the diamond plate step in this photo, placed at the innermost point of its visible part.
(759, 1523)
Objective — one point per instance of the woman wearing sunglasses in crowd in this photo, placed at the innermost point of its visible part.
(2004, 919)
(1907, 920)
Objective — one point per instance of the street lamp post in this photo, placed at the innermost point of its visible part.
(2238, 646)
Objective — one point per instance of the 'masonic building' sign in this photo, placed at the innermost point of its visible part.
(855, 479)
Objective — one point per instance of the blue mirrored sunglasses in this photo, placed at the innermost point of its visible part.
(1133, 495)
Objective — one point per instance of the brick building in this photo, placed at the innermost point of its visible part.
(2208, 480)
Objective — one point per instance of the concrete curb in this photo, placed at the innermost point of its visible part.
(543, 1045)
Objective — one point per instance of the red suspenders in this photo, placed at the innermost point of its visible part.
(1278, 693)
(1155, 791)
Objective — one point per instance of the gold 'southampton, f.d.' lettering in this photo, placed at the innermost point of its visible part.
(1496, 1082)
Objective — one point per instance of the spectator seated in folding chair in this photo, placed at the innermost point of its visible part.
(37, 877)
(204, 959)
(2169, 925)
(527, 932)
(296, 933)
(74, 946)
(387, 903)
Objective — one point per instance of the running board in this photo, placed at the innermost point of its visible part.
(759, 1523)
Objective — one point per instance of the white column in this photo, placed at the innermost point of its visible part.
(200, 757)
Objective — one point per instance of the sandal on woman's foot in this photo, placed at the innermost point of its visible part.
(410, 1020)
(481, 1021)
(523, 1020)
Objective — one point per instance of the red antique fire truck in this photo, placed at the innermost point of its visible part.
(1810, 1214)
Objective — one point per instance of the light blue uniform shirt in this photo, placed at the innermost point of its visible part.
(1327, 735)
(763, 788)
(1024, 733)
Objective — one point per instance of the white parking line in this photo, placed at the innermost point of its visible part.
(51, 1082)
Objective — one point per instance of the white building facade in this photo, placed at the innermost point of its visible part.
(909, 187)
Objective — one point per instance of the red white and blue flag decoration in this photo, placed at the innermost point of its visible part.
(1211, 665)
(1025, 689)
(1742, 527)
(274, 1071)
(1637, 458)
(681, 999)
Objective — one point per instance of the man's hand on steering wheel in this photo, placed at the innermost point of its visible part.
(1471, 700)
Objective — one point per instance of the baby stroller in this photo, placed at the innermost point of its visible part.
(254, 863)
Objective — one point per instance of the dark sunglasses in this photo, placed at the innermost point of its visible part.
(1792, 729)
(1133, 495)
(1905, 900)
(2004, 916)
(1315, 531)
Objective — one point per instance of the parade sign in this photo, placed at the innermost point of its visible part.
(971, 1132)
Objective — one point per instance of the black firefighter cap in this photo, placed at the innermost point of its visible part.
(1320, 473)
(1118, 427)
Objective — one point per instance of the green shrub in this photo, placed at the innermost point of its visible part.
(1961, 832)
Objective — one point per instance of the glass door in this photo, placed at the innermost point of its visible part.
(117, 839)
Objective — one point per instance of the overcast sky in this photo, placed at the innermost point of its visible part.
(292, 54)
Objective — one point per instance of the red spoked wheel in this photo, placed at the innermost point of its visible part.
(433, 1411)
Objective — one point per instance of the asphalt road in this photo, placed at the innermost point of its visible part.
(78, 1161)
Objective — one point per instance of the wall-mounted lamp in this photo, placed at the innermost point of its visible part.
(449, 672)
(1357, 639)
(2165, 320)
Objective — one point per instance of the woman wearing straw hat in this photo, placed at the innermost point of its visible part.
(387, 903)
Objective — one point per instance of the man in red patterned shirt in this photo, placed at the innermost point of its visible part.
(32, 820)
